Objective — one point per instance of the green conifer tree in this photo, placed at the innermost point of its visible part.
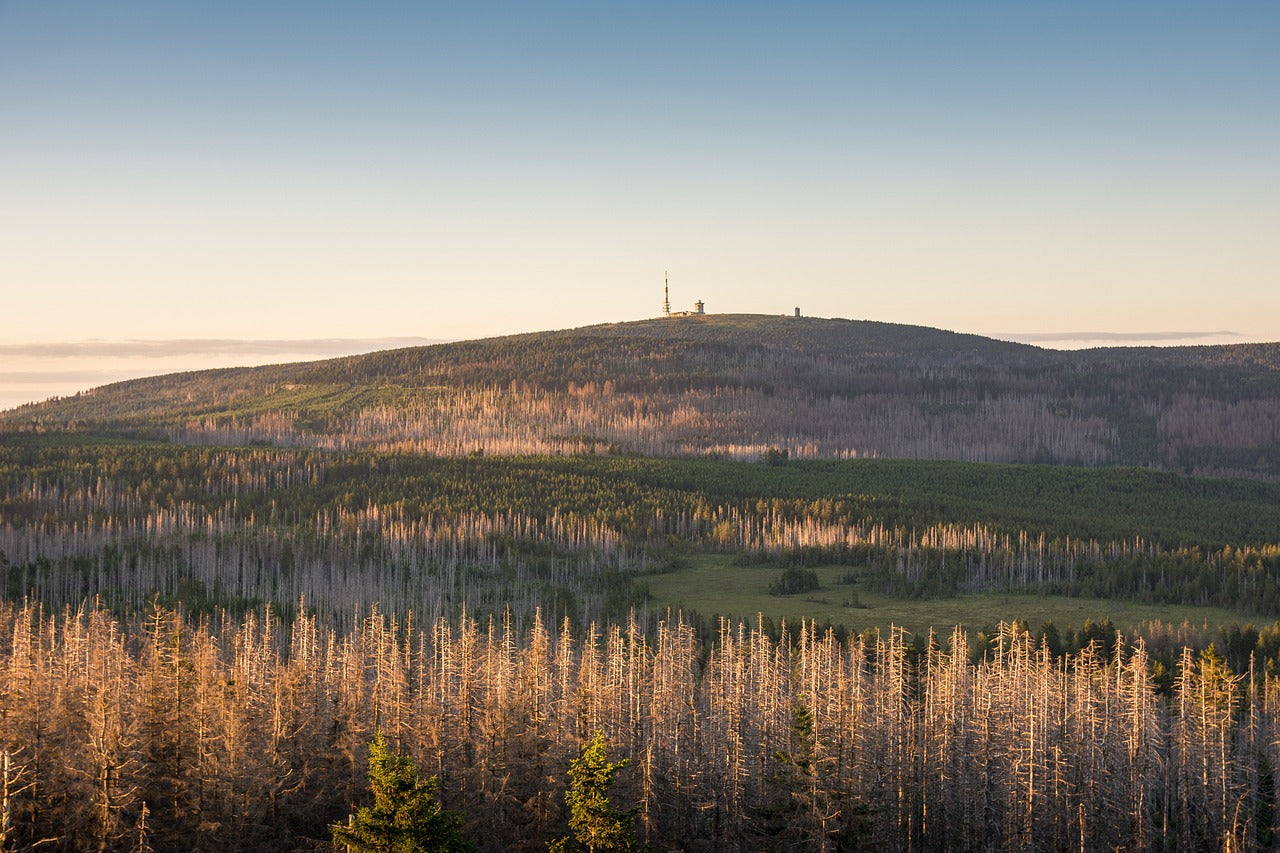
(405, 817)
(802, 812)
(597, 826)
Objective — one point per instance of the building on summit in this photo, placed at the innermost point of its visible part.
(698, 307)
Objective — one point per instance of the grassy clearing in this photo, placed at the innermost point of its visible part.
(713, 585)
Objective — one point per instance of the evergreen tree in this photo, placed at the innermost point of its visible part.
(596, 824)
(405, 817)
(802, 812)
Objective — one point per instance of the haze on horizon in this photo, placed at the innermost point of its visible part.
(443, 171)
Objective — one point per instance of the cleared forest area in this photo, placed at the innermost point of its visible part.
(722, 584)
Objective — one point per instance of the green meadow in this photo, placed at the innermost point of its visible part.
(713, 585)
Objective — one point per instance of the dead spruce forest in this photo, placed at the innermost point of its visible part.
(218, 586)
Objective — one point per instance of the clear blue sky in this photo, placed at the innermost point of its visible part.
(452, 170)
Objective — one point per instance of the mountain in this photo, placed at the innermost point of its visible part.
(737, 386)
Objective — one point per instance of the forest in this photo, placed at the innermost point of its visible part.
(201, 642)
(575, 536)
(220, 588)
(168, 733)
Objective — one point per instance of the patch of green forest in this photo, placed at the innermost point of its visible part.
(631, 493)
(578, 535)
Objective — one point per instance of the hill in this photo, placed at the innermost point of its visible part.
(735, 386)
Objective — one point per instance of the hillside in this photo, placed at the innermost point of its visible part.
(732, 386)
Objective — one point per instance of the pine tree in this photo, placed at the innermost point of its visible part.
(596, 824)
(802, 813)
(405, 817)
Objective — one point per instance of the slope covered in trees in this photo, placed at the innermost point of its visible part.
(734, 386)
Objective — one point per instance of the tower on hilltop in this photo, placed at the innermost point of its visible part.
(698, 307)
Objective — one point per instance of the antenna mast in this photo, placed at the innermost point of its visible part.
(666, 296)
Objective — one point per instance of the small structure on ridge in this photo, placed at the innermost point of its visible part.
(698, 307)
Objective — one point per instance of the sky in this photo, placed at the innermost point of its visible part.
(1056, 172)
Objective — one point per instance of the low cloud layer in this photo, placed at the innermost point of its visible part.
(205, 346)
(1122, 338)
(46, 377)
(37, 371)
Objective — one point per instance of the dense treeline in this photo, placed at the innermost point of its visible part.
(241, 527)
(732, 386)
(236, 735)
